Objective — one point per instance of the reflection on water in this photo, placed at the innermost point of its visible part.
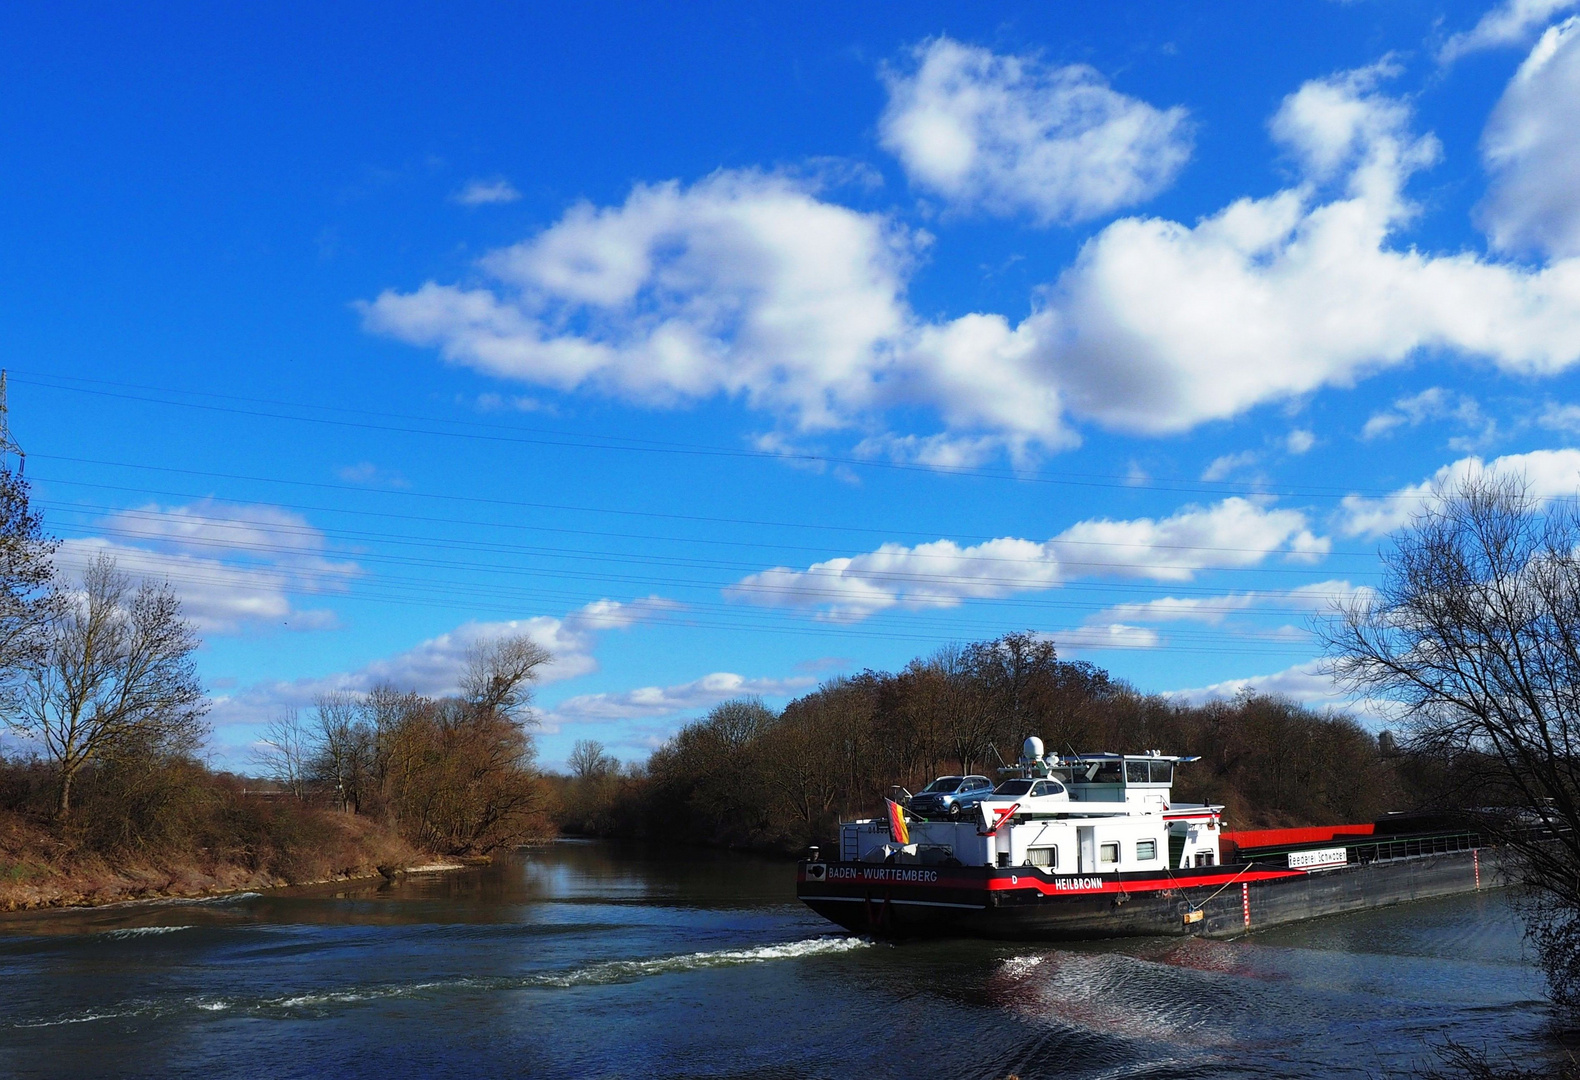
(586, 960)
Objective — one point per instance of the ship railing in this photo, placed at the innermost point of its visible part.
(1380, 848)
(1387, 849)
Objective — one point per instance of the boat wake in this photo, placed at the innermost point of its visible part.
(602, 974)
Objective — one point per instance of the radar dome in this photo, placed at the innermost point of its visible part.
(1031, 748)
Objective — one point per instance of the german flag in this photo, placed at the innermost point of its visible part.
(897, 830)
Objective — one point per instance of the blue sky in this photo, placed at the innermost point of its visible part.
(729, 348)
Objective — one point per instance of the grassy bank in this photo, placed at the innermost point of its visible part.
(46, 866)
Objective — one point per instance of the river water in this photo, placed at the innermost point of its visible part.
(585, 960)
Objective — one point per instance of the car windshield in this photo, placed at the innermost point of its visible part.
(1013, 787)
(942, 785)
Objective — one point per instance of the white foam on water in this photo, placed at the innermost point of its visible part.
(614, 971)
(81, 1018)
(228, 898)
(141, 931)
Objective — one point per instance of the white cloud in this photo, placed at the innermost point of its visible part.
(1532, 149)
(1551, 474)
(1234, 532)
(1010, 135)
(1305, 683)
(1510, 23)
(1299, 441)
(233, 566)
(652, 702)
(1213, 610)
(1434, 403)
(1096, 636)
(1556, 417)
(1221, 468)
(487, 192)
(1166, 326)
(749, 285)
(435, 666)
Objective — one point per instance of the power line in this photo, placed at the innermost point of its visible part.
(551, 437)
(606, 534)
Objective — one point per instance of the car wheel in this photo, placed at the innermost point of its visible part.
(954, 810)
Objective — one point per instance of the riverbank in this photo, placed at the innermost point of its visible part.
(40, 868)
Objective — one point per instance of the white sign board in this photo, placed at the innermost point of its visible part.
(1321, 859)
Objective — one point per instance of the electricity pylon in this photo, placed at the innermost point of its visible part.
(8, 445)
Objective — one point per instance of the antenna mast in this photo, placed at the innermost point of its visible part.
(8, 445)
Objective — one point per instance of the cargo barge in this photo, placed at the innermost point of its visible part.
(1093, 845)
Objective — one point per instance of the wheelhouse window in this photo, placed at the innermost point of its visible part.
(1146, 849)
(1162, 772)
(1136, 773)
(1108, 853)
(1046, 857)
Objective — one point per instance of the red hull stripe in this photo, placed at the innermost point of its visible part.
(1032, 881)
(1281, 837)
(1076, 883)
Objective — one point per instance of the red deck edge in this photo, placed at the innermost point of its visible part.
(1316, 834)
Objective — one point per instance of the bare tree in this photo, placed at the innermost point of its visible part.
(589, 762)
(500, 673)
(342, 749)
(1475, 633)
(285, 752)
(116, 673)
(27, 595)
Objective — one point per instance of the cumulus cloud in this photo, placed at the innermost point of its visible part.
(1551, 474)
(1512, 22)
(487, 192)
(750, 285)
(1532, 149)
(1011, 135)
(435, 666)
(654, 702)
(1306, 683)
(1234, 532)
(1166, 326)
(1299, 441)
(233, 566)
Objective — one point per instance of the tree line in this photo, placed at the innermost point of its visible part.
(751, 776)
(99, 685)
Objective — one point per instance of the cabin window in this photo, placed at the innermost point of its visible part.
(1043, 856)
(1136, 772)
(1108, 772)
(1146, 849)
(1162, 772)
(1108, 853)
(1204, 858)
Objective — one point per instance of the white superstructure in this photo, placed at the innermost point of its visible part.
(1073, 815)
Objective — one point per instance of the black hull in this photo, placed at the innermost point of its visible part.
(1025, 904)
